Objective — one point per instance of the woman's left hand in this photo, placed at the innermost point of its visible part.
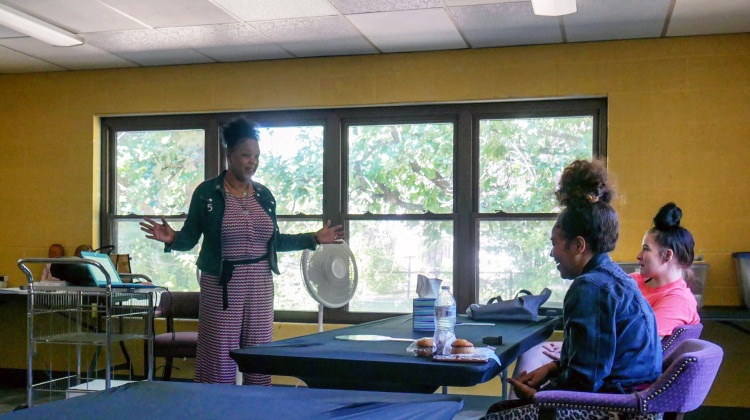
(523, 391)
(330, 235)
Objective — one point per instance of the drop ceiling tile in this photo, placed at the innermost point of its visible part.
(230, 42)
(350, 7)
(147, 47)
(700, 17)
(166, 13)
(74, 58)
(257, 10)
(477, 2)
(410, 30)
(76, 16)
(320, 36)
(15, 62)
(598, 20)
(504, 24)
(9, 33)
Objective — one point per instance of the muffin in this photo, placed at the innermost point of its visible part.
(461, 346)
(425, 347)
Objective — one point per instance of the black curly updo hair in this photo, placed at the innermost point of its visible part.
(238, 130)
(670, 235)
(585, 194)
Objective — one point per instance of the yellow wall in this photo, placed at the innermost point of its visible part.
(678, 128)
(678, 112)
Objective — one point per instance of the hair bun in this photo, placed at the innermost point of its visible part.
(584, 182)
(668, 217)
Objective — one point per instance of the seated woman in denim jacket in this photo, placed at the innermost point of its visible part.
(611, 342)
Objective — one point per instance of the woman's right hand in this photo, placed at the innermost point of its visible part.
(158, 231)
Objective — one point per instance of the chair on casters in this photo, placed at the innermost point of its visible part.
(679, 335)
(171, 344)
(689, 372)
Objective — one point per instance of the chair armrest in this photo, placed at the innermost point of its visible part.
(588, 400)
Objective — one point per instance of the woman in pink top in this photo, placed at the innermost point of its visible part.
(667, 251)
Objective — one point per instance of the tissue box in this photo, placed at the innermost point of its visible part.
(424, 314)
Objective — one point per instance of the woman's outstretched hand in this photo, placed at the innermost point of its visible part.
(330, 235)
(160, 232)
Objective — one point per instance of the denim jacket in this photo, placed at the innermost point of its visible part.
(206, 215)
(611, 343)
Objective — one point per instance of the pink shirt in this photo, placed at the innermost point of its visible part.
(674, 304)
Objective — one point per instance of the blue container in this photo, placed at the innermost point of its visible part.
(424, 314)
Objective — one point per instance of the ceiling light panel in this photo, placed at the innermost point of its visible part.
(76, 16)
(15, 62)
(411, 30)
(147, 47)
(79, 57)
(230, 42)
(312, 37)
(165, 13)
(598, 20)
(350, 7)
(9, 33)
(258, 10)
(701, 17)
(505, 24)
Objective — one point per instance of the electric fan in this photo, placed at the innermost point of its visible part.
(330, 276)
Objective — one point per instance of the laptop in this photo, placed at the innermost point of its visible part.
(115, 280)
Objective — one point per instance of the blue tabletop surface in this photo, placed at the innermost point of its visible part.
(181, 400)
(324, 362)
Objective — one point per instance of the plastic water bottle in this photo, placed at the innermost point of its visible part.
(445, 318)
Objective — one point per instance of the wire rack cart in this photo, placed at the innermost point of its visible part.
(71, 332)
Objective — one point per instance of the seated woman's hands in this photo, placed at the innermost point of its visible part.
(526, 385)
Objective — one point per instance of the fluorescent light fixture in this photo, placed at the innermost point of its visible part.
(553, 7)
(36, 28)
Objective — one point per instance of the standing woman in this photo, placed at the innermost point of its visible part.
(610, 340)
(237, 218)
(667, 250)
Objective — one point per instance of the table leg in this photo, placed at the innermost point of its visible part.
(445, 390)
(503, 383)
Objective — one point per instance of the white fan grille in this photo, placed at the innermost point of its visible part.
(330, 274)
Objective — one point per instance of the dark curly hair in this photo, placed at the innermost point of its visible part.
(585, 193)
(670, 235)
(237, 130)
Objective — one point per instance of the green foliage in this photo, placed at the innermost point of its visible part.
(522, 159)
(157, 171)
(397, 169)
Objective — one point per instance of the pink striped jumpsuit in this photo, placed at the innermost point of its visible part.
(246, 230)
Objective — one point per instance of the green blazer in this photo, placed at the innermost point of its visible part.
(205, 217)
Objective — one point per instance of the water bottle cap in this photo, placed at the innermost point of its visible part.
(445, 287)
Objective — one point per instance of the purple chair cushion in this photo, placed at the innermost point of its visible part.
(683, 386)
(679, 335)
(691, 370)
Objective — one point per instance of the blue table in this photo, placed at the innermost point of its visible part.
(324, 362)
(183, 400)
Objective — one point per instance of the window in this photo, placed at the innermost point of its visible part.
(155, 174)
(291, 166)
(520, 161)
(460, 192)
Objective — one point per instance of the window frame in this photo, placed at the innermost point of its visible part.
(465, 215)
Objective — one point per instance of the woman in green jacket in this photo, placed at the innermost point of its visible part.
(237, 218)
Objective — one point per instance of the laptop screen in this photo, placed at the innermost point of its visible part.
(96, 273)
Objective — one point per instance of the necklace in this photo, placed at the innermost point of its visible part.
(244, 205)
(236, 191)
